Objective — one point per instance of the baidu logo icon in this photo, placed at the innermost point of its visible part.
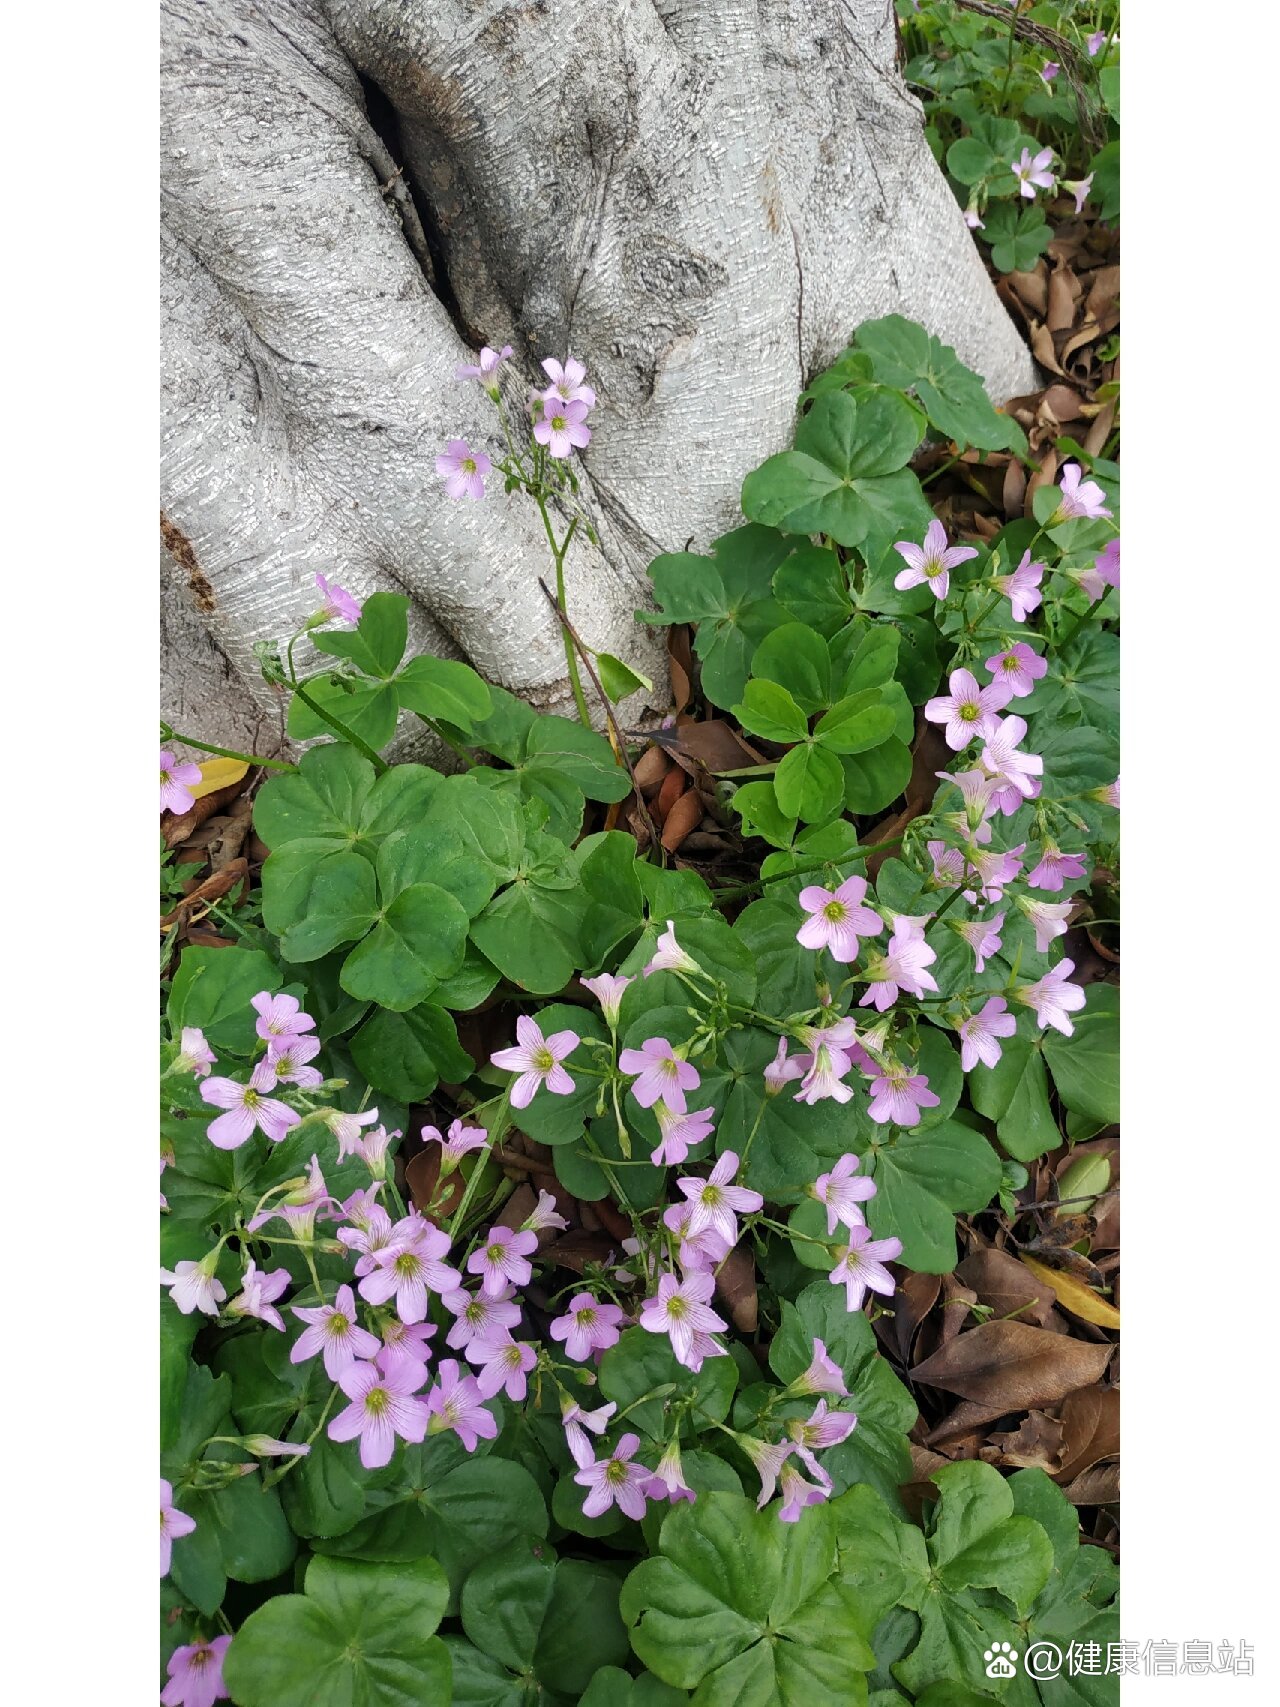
(1002, 1660)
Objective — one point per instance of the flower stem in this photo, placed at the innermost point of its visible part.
(168, 734)
(1080, 621)
(558, 551)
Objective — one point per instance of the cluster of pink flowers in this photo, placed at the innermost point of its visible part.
(559, 411)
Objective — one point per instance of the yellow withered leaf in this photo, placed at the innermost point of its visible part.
(1074, 1295)
(218, 773)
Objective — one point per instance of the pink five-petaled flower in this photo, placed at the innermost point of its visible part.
(667, 1481)
(768, 1458)
(480, 1315)
(822, 1428)
(836, 920)
(823, 1075)
(1022, 587)
(563, 427)
(176, 783)
(194, 1054)
(485, 367)
(345, 1126)
(608, 990)
(173, 1523)
(1002, 759)
(1048, 917)
(456, 1403)
(333, 1330)
(982, 936)
(968, 710)
(544, 1215)
(1079, 188)
(1049, 70)
(1104, 571)
(680, 1132)
(1033, 173)
(195, 1286)
(1052, 998)
(258, 1294)
(195, 1674)
(902, 966)
(668, 956)
(680, 1310)
(463, 469)
(703, 1251)
(780, 1071)
(797, 1493)
(503, 1260)
(410, 1267)
(1019, 669)
(661, 1074)
(1054, 868)
(898, 1095)
(566, 382)
(408, 1340)
(932, 562)
(461, 1139)
(1094, 42)
(339, 606)
(995, 868)
(822, 1375)
(372, 1149)
(382, 1407)
(840, 1193)
(279, 1017)
(980, 1034)
(537, 1060)
(504, 1367)
(587, 1326)
(717, 1203)
(615, 1481)
(861, 1266)
(1078, 498)
(289, 1056)
(575, 1422)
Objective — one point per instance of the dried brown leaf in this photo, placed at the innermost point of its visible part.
(1013, 1365)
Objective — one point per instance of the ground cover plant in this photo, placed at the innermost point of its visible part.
(639, 1209)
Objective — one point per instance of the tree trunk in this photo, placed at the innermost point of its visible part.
(701, 199)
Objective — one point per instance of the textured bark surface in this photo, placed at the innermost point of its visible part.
(700, 198)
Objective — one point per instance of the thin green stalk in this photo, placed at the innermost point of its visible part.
(168, 734)
(570, 657)
(800, 870)
(1080, 621)
(340, 728)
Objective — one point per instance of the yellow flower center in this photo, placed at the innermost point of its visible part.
(376, 1401)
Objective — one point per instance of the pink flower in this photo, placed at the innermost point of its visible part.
(485, 369)
(1051, 998)
(1033, 173)
(968, 710)
(1055, 868)
(669, 956)
(176, 783)
(456, 1403)
(902, 966)
(797, 1493)
(575, 1421)
(1079, 497)
(980, 1034)
(382, 1407)
(544, 1215)
(768, 1459)
(607, 990)
(173, 1524)
(821, 1429)
(1002, 759)
(279, 1017)
(299, 1208)
(662, 1074)
(931, 563)
(587, 1326)
(1048, 71)
(411, 1267)
(982, 936)
(700, 1252)
(824, 1072)
(680, 1133)
(1079, 188)
(978, 790)
(503, 1260)
(537, 1060)
(562, 428)
(836, 920)
(461, 1139)
(566, 382)
(948, 864)
(716, 1203)
(1022, 588)
(463, 469)
(370, 1235)
(195, 1055)
(480, 1315)
(1048, 917)
(1094, 42)
(898, 1095)
(408, 1340)
(680, 1310)
(822, 1375)
(994, 869)
(338, 605)
(505, 1367)
(164, 1163)
(615, 1481)
(263, 1446)
(840, 1193)
(372, 1149)
(288, 1057)
(973, 219)
(333, 1330)
(258, 1294)
(861, 1266)
(667, 1481)
(1019, 669)
(194, 1286)
(195, 1674)
(780, 1071)
(346, 1128)
(1105, 571)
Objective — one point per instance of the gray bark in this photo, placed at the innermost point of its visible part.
(701, 199)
